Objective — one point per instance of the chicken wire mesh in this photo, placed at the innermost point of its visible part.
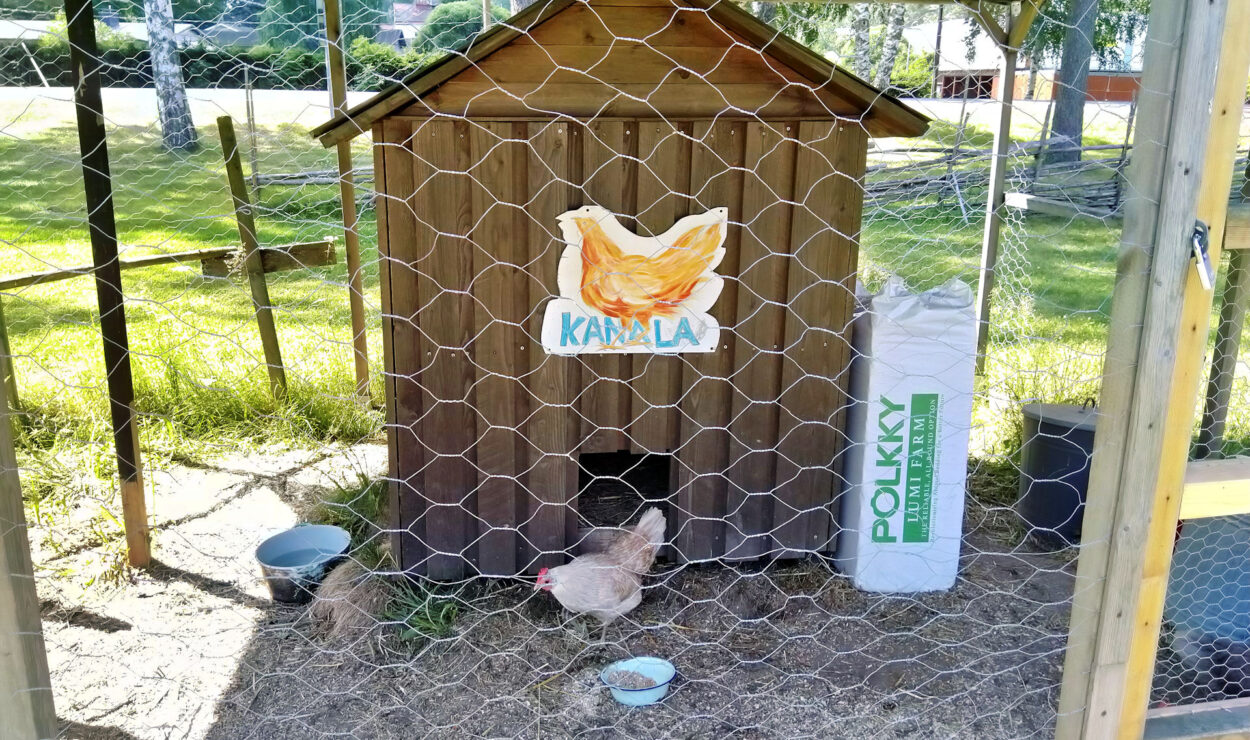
(777, 643)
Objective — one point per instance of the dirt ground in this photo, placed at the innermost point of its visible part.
(195, 649)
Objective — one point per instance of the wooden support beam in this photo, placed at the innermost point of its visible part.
(984, 15)
(347, 195)
(1227, 353)
(1190, 112)
(1216, 488)
(8, 373)
(1008, 40)
(1050, 207)
(26, 710)
(1237, 230)
(994, 203)
(251, 259)
(1213, 720)
(98, 184)
(1233, 302)
(1023, 21)
(276, 259)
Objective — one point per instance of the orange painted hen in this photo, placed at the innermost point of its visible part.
(633, 278)
(608, 584)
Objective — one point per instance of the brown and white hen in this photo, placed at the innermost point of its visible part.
(608, 584)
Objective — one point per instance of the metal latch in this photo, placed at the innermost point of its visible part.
(1202, 258)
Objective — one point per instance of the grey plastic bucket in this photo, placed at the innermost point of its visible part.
(1054, 470)
(294, 562)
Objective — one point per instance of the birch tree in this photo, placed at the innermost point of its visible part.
(861, 59)
(890, 46)
(177, 129)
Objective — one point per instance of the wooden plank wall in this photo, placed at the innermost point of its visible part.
(716, 180)
(486, 427)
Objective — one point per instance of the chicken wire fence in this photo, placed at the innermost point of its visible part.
(768, 640)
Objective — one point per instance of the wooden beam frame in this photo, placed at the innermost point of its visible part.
(1190, 113)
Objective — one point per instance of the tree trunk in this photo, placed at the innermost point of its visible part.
(1078, 47)
(519, 5)
(178, 132)
(861, 62)
(765, 11)
(889, 48)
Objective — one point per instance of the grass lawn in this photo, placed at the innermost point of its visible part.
(201, 385)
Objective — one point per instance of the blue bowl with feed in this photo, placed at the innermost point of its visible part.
(625, 676)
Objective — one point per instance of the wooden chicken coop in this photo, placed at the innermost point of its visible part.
(652, 110)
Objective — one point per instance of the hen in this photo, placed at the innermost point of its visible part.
(633, 278)
(608, 584)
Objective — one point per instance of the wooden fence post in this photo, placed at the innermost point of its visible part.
(994, 204)
(8, 373)
(1181, 170)
(26, 709)
(1008, 41)
(98, 184)
(347, 195)
(251, 257)
(1233, 301)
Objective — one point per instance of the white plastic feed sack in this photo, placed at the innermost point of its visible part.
(912, 383)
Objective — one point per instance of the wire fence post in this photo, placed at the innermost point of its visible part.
(347, 195)
(98, 184)
(252, 258)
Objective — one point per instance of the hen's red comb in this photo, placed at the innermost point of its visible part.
(542, 572)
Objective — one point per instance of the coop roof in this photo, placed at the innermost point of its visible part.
(636, 59)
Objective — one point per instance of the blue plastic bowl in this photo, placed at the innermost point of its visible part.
(294, 562)
(657, 669)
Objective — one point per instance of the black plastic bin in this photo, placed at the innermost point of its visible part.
(1054, 470)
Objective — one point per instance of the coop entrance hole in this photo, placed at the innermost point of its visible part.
(614, 488)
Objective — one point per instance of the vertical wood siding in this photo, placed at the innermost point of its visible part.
(485, 427)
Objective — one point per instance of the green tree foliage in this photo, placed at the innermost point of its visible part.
(1117, 20)
(296, 23)
(801, 21)
(371, 65)
(452, 25)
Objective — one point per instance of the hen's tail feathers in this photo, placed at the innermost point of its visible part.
(635, 548)
(702, 240)
(651, 526)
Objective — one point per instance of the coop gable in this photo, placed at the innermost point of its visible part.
(632, 59)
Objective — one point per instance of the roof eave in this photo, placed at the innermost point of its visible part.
(884, 115)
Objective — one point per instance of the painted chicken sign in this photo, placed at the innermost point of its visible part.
(621, 292)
